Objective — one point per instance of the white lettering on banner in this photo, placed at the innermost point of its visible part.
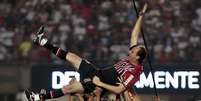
(159, 79)
(165, 79)
(59, 79)
(56, 76)
(145, 82)
(183, 75)
(171, 80)
(193, 80)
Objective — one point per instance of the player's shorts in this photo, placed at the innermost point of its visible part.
(87, 71)
(109, 75)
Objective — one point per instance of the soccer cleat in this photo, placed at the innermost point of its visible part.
(29, 95)
(40, 37)
(43, 91)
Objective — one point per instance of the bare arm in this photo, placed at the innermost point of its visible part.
(97, 93)
(126, 96)
(116, 89)
(129, 96)
(137, 28)
(79, 96)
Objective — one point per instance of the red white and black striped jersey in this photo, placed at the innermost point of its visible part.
(128, 72)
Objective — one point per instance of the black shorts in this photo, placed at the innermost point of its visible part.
(87, 71)
(109, 75)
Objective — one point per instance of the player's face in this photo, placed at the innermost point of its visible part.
(133, 53)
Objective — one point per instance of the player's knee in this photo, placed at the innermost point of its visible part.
(74, 60)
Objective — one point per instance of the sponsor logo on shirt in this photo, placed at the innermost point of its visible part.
(128, 79)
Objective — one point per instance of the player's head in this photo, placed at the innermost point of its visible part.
(137, 53)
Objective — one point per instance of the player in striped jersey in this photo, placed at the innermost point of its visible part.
(117, 79)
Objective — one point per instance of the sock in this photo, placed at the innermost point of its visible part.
(52, 94)
(57, 51)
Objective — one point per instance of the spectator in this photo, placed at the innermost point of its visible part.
(103, 25)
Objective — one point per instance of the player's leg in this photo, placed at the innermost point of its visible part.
(42, 40)
(74, 87)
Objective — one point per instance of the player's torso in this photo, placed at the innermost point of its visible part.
(128, 72)
(123, 66)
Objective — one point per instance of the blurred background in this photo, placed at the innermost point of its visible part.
(98, 30)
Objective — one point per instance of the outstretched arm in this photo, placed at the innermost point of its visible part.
(137, 27)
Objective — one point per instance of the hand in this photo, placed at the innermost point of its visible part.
(157, 98)
(144, 9)
(96, 81)
(40, 38)
(97, 91)
(72, 80)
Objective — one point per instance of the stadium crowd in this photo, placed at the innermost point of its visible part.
(99, 29)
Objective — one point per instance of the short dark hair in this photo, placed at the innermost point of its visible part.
(142, 53)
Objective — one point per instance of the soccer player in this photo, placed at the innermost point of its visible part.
(122, 76)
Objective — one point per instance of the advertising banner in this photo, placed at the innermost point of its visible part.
(168, 79)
